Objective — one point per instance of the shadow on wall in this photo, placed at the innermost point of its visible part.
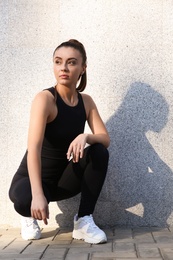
(137, 175)
(139, 186)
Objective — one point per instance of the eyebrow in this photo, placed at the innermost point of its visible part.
(56, 57)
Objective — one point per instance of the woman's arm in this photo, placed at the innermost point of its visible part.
(99, 132)
(40, 113)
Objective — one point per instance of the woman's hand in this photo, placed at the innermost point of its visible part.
(76, 147)
(39, 208)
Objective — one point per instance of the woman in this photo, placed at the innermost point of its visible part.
(57, 164)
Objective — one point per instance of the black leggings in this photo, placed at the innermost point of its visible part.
(87, 176)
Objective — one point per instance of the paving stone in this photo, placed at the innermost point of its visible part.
(147, 245)
(148, 252)
(163, 232)
(149, 229)
(164, 239)
(57, 244)
(124, 235)
(40, 249)
(12, 231)
(11, 243)
(64, 235)
(167, 256)
(104, 255)
(138, 258)
(48, 234)
(121, 230)
(16, 247)
(14, 256)
(167, 250)
(5, 243)
(124, 231)
(144, 238)
(103, 258)
(124, 239)
(102, 247)
(2, 231)
(167, 253)
(77, 256)
(60, 242)
(125, 247)
(79, 243)
(88, 250)
(54, 252)
(114, 254)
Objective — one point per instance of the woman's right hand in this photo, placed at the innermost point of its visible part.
(39, 208)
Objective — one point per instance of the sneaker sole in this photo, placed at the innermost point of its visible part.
(36, 237)
(81, 236)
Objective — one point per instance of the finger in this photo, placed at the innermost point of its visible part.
(69, 152)
(45, 221)
(74, 153)
(34, 214)
(78, 154)
(39, 215)
(44, 217)
(81, 152)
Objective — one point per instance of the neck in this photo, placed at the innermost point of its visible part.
(69, 95)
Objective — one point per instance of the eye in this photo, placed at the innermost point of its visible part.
(72, 62)
(58, 62)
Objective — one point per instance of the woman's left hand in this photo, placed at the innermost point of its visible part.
(76, 147)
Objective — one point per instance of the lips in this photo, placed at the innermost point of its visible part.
(64, 76)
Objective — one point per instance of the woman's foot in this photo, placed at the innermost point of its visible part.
(86, 229)
(30, 228)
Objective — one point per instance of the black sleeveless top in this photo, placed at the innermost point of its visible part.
(68, 124)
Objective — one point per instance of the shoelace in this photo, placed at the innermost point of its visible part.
(31, 221)
(89, 219)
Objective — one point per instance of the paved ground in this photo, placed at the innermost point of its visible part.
(123, 244)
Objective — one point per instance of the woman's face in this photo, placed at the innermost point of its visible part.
(68, 66)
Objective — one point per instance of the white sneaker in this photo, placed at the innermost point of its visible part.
(86, 229)
(30, 228)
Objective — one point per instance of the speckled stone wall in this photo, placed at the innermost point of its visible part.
(130, 76)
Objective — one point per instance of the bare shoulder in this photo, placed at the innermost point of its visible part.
(43, 99)
(89, 104)
(88, 101)
(44, 96)
(44, 105)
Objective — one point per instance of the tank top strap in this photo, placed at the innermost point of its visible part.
(56, 94)
(51, 89)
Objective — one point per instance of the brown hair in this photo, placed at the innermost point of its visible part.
(78, 46)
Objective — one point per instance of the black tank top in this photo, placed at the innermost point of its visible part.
(68, 124)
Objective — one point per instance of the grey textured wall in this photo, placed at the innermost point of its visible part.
(130, 60)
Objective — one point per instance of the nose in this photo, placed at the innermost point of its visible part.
(64, 67)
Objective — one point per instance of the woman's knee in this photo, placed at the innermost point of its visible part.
(20, 195)
(99, 150)
(22, 204)
(99, 154)
(23, 208)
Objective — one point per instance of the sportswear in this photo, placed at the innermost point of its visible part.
(86, 229)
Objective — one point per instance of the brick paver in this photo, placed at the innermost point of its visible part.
(123, 244)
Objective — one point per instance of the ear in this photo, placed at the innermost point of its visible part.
(84, 69)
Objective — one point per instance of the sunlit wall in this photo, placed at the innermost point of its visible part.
(130, 77)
